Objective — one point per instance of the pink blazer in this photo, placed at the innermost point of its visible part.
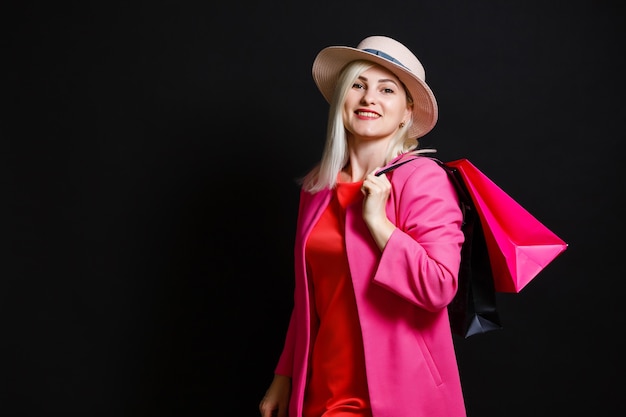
(401, 295)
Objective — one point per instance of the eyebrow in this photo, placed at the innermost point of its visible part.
(382, 80)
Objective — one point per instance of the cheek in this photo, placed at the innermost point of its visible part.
(353, 97)
(345, 114)
(403, 110)
(348, 106)
(398, 109)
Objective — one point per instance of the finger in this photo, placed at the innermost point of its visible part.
(375, 171)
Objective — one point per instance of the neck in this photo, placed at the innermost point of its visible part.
(362, 160)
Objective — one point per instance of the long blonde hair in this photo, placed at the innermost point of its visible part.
(335, 153)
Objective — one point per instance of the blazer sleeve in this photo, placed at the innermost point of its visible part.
(422, 257)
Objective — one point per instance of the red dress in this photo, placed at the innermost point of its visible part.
(336, 385)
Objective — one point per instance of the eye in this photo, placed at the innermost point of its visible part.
(388, 90)
(357, 86)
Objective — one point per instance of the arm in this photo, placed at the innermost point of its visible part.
(420, 260)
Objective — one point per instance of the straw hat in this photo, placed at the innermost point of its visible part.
(392, 55)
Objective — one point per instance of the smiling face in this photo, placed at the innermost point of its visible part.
(375, 105)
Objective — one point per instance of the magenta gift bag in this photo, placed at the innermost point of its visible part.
(519, 245)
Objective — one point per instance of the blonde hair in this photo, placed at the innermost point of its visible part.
(335, 153)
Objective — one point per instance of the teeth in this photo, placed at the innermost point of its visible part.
(367, 114)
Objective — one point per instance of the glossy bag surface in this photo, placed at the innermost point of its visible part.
(519, 245)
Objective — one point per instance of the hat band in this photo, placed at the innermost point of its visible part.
(386, 56)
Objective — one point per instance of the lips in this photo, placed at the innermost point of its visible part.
(367, 114)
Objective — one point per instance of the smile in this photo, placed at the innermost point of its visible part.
(367, 114)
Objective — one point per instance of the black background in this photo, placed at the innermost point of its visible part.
(149, 152)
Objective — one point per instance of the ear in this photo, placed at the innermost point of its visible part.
(408, 113)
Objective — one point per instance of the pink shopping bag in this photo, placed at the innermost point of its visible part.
(519, 245)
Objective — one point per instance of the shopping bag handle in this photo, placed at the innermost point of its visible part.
(465, 200)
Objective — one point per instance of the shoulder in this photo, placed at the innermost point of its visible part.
(422, 178)
(417, 168)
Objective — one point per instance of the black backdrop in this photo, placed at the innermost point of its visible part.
(149, 151)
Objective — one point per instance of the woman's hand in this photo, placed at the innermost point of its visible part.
(376, 192)
(276, 399)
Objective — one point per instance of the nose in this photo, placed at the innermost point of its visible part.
(368, 96)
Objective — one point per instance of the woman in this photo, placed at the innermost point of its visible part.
(376, 256)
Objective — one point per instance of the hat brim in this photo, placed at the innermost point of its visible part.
(331, 60)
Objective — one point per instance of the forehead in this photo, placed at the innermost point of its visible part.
(378, 72)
